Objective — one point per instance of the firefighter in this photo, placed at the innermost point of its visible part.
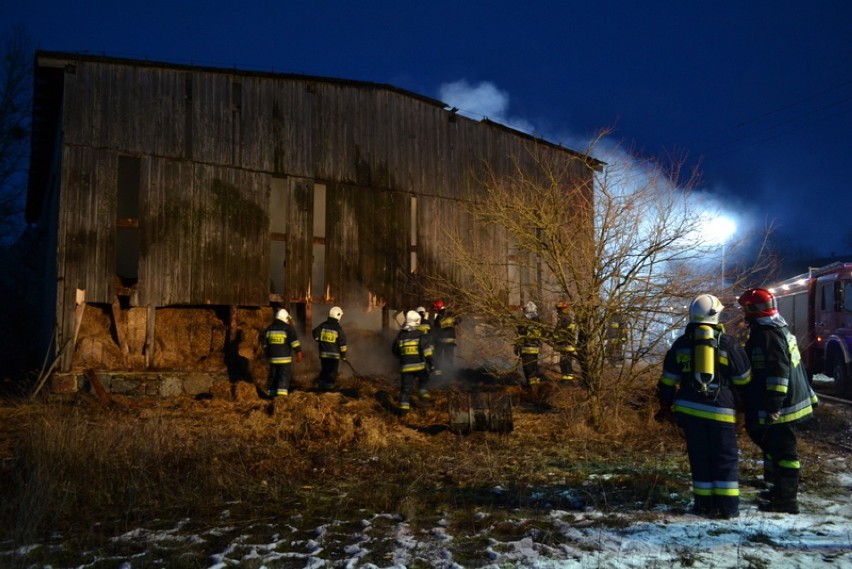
(444, 336)
(332, 347)
(528, 344)
(701, 372)
(426, 329)
(616, 339)
(281, 344)
(779, 397)
(565, 341)
(414, 352)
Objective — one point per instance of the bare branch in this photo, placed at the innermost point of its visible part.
(626, 245)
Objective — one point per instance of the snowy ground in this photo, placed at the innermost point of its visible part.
(819, 537)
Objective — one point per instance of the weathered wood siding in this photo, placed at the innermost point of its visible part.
(204, 235)
(218, 149)
(367, 243)
(211, 140)
(87, 222)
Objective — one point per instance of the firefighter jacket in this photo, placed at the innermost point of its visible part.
(564, 337)
(529, 337)
(715, 400)
(780, 383)
(444, 328)
(280, 342)
(413, 349)
(331, 339)
(426, 329)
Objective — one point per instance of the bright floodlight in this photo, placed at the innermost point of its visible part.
(720, 229)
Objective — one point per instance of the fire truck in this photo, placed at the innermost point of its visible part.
(817, 305)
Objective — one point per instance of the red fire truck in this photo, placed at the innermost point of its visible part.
(818, 307)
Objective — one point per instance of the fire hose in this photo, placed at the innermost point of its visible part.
(351, 367)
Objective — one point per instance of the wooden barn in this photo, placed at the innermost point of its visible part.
(176, 205)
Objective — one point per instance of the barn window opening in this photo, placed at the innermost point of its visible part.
(413, 252)
(127, 240)
(278, 210)
(513, 278)
(318, 269)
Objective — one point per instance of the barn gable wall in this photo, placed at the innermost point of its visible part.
(255, 187)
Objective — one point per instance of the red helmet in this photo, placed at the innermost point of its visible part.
(438, 305)
(561, 305)
(758, 302)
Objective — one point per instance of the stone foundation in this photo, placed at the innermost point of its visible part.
(139, 384)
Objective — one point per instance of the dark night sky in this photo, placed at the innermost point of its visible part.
(758, 93)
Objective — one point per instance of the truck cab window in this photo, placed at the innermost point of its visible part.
(826, 297)
(847, 296)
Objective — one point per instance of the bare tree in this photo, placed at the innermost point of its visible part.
(15, 113)
(624, 246)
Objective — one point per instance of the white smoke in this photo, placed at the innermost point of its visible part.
(481, 101)
(486, 100)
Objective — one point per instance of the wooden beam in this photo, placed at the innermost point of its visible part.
(149, 336)
(118, 322)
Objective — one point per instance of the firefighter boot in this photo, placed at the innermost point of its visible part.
(725, 507)
(770, 479)
(702, 506)
(785, 499)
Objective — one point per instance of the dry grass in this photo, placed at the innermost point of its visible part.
(88, 470)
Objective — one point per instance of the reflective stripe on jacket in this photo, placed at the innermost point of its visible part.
(715, 401)
(529, 337)
(331, 339)
(280, 342)
(413, 350)
(780, 382)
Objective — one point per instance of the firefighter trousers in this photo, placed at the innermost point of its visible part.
(779, 445)
(407, 383)
(566, 365)
(279, 379)
(529, 363)
(328, 372)
(714, 463)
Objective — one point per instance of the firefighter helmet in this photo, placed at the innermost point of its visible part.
(421, 310)
(412, 319)
(757, 302)
(530, 309)
(336, 312)
(438, 305)
(705, 309)
(562, 306)
(282, 315)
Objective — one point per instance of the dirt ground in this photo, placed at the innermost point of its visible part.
(362, 413)
(323, 456)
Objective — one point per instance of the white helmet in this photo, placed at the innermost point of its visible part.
(282, 315)
(412, 319)
(336, 312)
(705, 309)
(530, 310)
(421, 310)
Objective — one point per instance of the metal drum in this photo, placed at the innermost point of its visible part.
(471, 412)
